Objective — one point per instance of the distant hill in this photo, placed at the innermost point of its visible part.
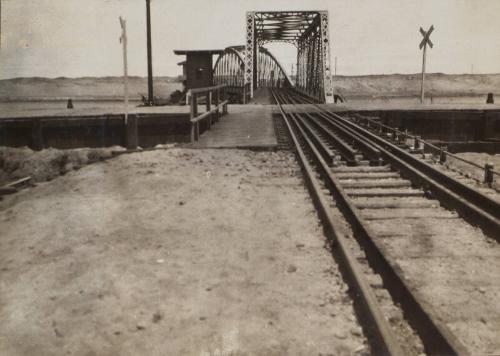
(436, 84)
(82, 88)
(391, 85)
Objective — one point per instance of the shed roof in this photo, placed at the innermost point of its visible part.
(196, 51)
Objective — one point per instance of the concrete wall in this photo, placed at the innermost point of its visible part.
(96, 131)
(446, 125)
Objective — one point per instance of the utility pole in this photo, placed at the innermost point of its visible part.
(335, 66)
(150, 55)
(423, 45)
(131, 138)
(123, 41)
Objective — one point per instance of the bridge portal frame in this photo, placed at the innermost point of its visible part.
(308, 31)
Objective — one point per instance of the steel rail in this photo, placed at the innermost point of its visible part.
(379, 328)
(345, 150)
(476, 208)
(325, 151)
(472, 205)
(436, 336)
(369, 150)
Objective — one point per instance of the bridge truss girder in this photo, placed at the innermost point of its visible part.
(308, 31)
(229, 69)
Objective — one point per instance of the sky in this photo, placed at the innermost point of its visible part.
(74, 38)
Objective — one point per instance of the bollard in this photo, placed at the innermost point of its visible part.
(421, 145)
(442, 154)
(402, 137)
(488, 174)
(416, 142)
(217, 100)
(395, 136)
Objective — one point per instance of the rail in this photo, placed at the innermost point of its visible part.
(419, 144)
(385, 342)
(434, 333)
(216, 95)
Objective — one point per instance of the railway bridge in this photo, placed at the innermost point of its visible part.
(246, 68)
(413, 227)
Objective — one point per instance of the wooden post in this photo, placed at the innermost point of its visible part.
(194, 103)
(123, 40)
(422, 91)
(488, 174)
(150, 54)
(442, 154)
(217, 101)
(208, 97)
(194, 113)
(131, 137)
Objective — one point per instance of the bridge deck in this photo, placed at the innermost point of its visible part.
(246, 126)
(262, 96)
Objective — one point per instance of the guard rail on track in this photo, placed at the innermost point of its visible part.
(419, 144)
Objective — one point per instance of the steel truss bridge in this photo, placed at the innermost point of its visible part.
(229, 69)
(246, 68)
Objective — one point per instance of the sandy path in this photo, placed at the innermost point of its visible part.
(171, 252)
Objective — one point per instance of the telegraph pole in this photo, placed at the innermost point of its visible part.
(423, 45)
(123, 40)
(131, 138)
(150, 55)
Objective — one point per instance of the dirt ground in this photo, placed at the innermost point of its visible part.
(471, 175)
(47, 164)
(480, 159)
(170, 252)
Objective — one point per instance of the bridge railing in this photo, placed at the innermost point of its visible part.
(216, 96)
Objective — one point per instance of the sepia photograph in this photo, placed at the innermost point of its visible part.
(249, 177)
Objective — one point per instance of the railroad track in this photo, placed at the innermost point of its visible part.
(430, 238)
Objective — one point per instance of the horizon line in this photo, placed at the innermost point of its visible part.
(176, 76)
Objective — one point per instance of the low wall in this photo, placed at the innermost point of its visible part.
(93, 131)
(445, 125)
